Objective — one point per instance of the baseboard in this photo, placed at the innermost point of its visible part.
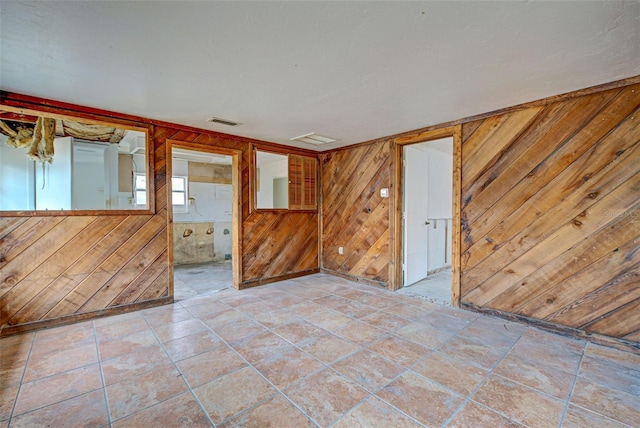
(263, 281)
(9, 330)
(595, 338)
(355, 278)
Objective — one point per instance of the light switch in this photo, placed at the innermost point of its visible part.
(384, 192)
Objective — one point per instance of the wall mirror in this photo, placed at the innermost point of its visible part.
(284, 181)
(62, 164)
(272, 180)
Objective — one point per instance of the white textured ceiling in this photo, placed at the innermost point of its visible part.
(348, 70)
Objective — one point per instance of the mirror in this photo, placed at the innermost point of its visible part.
(51, 164)
(285, 182)
(272, 181)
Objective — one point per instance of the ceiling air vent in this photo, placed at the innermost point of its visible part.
(313, 138)
(223, 121)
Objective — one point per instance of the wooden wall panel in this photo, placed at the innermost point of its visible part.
(551, 212)
(59, 267)
(354, 216)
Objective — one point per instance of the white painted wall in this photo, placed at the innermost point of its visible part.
(16, 178)
(270, 167)
(211, 203)
(55, 185)
(440, 193)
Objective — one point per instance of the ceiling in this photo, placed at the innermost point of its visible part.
(352, 71)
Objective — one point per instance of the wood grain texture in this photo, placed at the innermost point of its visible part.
(355, 216)
(72, 266)
(550, 215)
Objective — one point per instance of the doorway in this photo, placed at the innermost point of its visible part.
(427, 219)
(204, 219)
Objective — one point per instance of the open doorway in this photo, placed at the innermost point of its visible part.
(427, 214)
(202, 205)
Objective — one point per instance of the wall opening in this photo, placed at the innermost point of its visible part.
(427, 219)
(202, 203)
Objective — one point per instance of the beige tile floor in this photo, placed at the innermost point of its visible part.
(200, 278)
(435, 288)
(312, 351)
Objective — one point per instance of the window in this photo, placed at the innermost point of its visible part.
(141, 190)
(179, 195)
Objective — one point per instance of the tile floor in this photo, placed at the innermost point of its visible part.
(201, 278)
(435, 288)
(312, 351)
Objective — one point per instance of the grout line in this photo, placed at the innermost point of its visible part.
(24, 373)
(484, 380)
(104, 384)
(189, 389)
(573, 385)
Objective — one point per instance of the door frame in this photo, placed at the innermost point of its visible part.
(236, 204)
(456, 232)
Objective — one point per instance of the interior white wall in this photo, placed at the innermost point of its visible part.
(440, 197)
(268, 172)
(211, 202)
(16, 178)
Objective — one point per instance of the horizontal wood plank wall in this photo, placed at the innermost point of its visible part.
(551, 212)
(57, 267)
(354, 216)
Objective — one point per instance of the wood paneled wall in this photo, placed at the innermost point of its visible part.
(550, 226)
(59, 268)
(354, 216)
(551, 212)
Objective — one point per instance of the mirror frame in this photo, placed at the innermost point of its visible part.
(150, 170)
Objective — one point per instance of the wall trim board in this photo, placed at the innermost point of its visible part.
(10, 330)
(354, 278)
(540, 102)
(262, 281)
(236, 213)
(573, 333)
(396, 276)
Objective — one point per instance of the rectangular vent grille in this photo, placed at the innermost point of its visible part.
(313, 138)
(223, 121)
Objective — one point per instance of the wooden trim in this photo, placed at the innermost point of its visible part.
(596, 338)
(394, 163)
(540, 102)
(236, 222)
(396, 277)
(456, 227)
(236, 203)
(262, 281)
(74, 318)
(170, 256)
(355, 278)
(395, 223)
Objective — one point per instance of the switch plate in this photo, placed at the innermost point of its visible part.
(340, 250)
(384, 192)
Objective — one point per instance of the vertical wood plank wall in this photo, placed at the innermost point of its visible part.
(551, 212)
(67, 266)
(354, 216)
